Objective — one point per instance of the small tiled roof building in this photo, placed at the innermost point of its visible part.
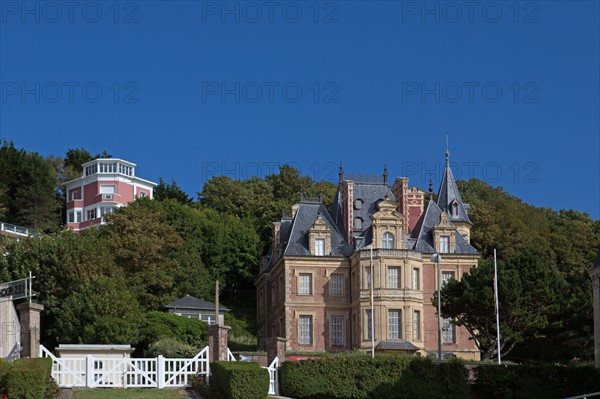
(314, 286)
(194, 308)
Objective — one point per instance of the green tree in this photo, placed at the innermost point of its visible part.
(157, 325)
(144, 247)
(73, 161)
(101, 311)
(29, 189)
(62, 264)
(529, 293)
(165, 191)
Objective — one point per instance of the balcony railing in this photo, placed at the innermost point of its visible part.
(390, 253)
(17, 230)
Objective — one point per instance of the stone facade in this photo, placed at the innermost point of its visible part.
(29, 316)
(314, 287)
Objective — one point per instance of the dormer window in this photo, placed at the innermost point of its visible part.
(319, 238)
(387, 241)
(444, 244)
(358, 223)
(358, 203)
(454, 209)
(319, 247)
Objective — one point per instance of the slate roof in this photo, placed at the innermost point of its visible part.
(306, 215)
(370, 194)
(294, 232)
(425, 237)
(336, 212)
(449, 193)
(190, 302)
(396, 346)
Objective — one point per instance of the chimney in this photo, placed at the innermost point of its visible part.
(385, 175)
(346, 192)
(410, 203)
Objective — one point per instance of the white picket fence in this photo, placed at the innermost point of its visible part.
(159, 372)
(97, 372)
(273, 377)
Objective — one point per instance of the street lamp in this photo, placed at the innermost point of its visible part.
(436, 258)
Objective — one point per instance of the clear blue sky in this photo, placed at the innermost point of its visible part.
(189, 89)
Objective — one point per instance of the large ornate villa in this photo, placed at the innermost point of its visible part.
(314, 287)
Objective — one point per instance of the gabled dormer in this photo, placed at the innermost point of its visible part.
(387, 225)
(444, 237)
(319, 238)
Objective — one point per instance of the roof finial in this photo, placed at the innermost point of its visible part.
(447, 152)
(430, 189)
(385, 174)
(341, 172)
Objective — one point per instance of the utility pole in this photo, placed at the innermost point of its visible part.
(217, 321)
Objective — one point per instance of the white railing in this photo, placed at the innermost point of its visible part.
(390, 253)
(17, 230)
(160, 372)
(230, 357)
(273, 378)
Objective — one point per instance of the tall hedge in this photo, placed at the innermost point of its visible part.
(239, 380)
(4, 368)
(359, 377)
(28, 378)
(532, 382)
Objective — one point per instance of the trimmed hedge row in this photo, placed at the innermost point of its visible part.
(29, 378)
(532, 382)
(239, 380)
(359, 377)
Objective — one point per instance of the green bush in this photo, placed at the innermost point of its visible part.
(4, 367)
(158, 325)
(524, 381)
(358, 376)
(29, 378)
(239, 380)
(172, 347)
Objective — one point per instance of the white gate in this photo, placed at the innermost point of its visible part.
(157, 372)
(273, 377)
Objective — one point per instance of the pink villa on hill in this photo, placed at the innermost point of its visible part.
(106, 184)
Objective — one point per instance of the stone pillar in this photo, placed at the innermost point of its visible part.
(29, 316)
(276, 348)
(217, 342)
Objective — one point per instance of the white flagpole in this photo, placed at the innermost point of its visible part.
(372, 310)
(497, 310)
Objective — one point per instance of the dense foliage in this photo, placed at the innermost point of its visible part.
(99, 286)
(238, 380)
(28, 193)
(359, 376)
(544, 290)
(532, 382)
(160, 325)
(29, 378)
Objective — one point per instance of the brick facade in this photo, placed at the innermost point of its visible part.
(322, 301)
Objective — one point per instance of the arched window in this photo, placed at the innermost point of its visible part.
(387, 241)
